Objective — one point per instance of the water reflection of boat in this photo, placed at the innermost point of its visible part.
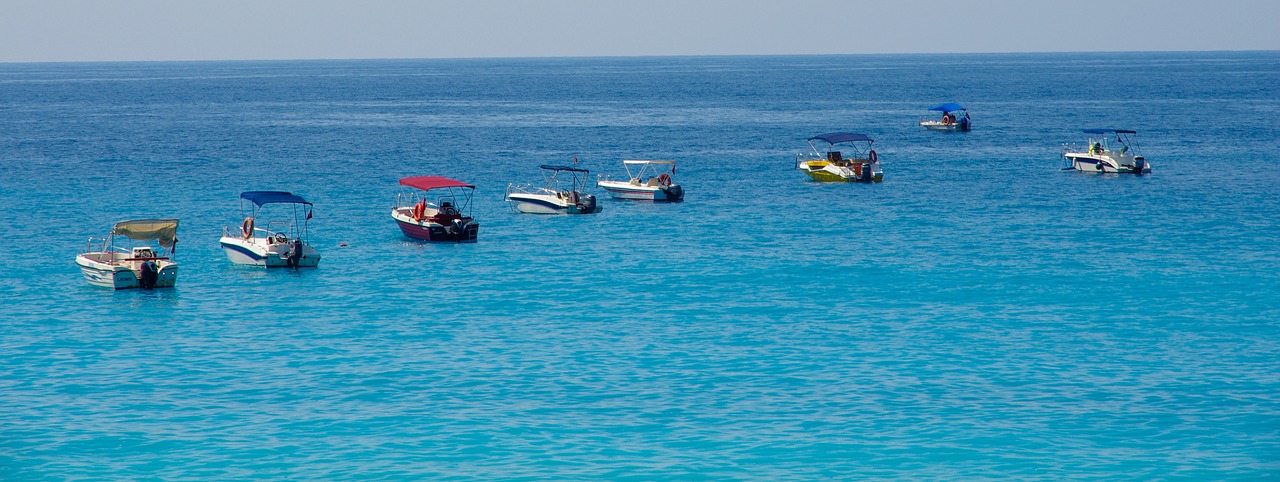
(1105, 155)
(551, 199)
(860, 164)
(145, 267)
(954, 118)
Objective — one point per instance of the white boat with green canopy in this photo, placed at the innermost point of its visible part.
(144, 261)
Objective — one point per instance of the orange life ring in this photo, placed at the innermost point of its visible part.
(419, 210)
(872, 156)
(246, 228)
(664, 179)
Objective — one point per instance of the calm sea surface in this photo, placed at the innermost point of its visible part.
(980, 313)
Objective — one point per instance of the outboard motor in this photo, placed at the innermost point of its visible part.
(866, 173)
(587, 203)
(674, 192)
(295, 254)
(1139, 165)
(150, 273)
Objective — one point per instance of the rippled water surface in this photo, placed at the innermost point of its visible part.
(980, 313)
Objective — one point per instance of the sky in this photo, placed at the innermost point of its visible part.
(128, 30)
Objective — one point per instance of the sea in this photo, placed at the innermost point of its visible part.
(980, 314)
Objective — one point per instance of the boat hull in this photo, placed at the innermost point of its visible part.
(258, 251)
(625, 190)
(824, 171)
(466, 231)
(125, 275)
(952, 127)
(552, 204)
(1101, 163)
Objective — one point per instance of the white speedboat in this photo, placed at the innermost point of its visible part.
(145, 267)
(860, 164)
(446, 219)
(273, 243)
(1106, 154)
(552, 199)
(955, 118)
(651, 181)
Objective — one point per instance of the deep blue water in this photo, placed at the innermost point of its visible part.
(979, 314)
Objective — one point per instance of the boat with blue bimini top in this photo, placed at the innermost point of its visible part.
(860, 164)
(123, 267)
(651, 181)
(446, 219)
(271, 243)
(554, 198)
(955, 118)
(1108, 151)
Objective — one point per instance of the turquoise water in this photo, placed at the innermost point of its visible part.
(979, 314)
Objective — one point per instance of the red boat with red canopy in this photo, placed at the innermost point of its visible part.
(440, 212)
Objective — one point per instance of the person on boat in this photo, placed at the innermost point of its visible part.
(1096, 148)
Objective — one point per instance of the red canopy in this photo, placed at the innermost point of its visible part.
(427, 183)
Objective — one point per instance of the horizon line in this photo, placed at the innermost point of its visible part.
(552, 57)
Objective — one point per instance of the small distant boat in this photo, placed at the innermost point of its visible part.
(145, 267)
(446, 219)
(861, 164)
(271, 243)
(552, 199)
(954, 118)
(1104, 154)
(643, 184)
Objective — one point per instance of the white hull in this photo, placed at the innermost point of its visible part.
(1106, 163)
(642, 192)
(122, 272)
(940, 126)
(270, 252)
(529, 203)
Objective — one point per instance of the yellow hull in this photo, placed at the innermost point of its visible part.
(815, 170)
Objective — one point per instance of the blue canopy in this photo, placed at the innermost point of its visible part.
(838, 137)
(948, 107)
(1108, 131)
(268, 197)
(562, 168)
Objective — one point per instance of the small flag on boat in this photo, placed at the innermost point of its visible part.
(575, 160)
(309, 214)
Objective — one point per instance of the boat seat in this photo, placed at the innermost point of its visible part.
(635, 181)
(653, 182)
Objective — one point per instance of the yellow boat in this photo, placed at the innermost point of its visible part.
(861, 165)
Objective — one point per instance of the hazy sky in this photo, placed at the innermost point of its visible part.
(74, 30)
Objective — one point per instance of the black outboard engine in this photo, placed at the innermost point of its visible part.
(150, 273)
(674, 192)
(295, 254)
(866, 173)
(587, 203)
(1139, 165)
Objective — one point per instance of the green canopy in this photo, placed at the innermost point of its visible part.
(163, 230)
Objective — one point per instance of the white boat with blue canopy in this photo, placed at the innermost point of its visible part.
(272, 242)
(1108, 151)
(143, 266)
(848, 157)
(955, 118)
(554, 197)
